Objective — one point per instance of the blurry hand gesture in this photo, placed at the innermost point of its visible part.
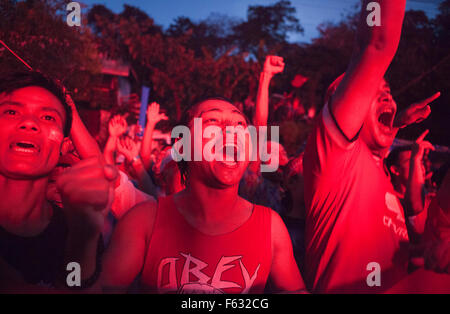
(128, 148)
(87, 191)
(420, 147)
(117, 126)
(153, 114)
(415, 113)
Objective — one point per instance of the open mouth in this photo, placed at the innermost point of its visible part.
(386, 118)
(229, 154)
(25, 147)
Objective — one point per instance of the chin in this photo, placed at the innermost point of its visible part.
(227, 176)
(379, 145)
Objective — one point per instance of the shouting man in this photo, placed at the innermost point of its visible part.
(204, 239)
(37, 238)
(356, 237)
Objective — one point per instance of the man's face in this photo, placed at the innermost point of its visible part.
(402, 166)
(229, 171)
(31, 132)
(377, 131)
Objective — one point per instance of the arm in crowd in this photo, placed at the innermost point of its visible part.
(130, 150)
(376, 47)
(87, 191)
(273, 65)
(153, 117)
(124, 258)
(284, 273)
(117, 126)
(414, 194)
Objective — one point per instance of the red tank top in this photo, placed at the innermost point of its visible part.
(181, 259)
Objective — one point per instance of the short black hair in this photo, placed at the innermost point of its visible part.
(186, 118)
(17, 80)
(190, 111)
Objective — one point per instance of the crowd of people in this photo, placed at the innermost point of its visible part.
(342, 204)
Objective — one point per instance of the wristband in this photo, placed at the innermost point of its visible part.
(136, 158)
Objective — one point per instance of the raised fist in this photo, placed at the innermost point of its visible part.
(273, 65)
(87, 192)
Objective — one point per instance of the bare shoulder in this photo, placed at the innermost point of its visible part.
(141, 218)
(279, 232)
(145, 209)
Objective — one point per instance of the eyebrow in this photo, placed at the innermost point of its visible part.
(14, 103)
(53, 110)
(209, 110)
(19, 104)
(220, 110)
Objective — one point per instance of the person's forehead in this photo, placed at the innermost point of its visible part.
(34, 96)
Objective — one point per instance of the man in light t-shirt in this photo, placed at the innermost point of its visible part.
(356, 238)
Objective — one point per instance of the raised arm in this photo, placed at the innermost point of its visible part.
(273, 65)
(414, 195)
(153, 117)
(124, 258)
(376, 47)
(83, 141)
(117, 126)
(284, 273)
(130, 149)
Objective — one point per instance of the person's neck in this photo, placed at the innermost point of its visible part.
(207, 203)
(24, 209)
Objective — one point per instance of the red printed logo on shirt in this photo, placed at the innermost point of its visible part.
(204, 284)
(397, 225)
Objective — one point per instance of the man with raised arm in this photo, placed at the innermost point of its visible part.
(204, 239)
(356, 238)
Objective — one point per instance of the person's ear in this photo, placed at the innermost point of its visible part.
(65, 146)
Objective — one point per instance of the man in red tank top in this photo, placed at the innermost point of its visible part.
(204, 239)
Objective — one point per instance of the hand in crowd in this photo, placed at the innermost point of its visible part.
(128, 147)
(415, 113)
(153, 114)
(87, 191)
(135, 130)
(70, 101)
(419, 148)
(117, 126)
(273, 65)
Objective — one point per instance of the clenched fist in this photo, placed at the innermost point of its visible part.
(87, 192)
(273, 65)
